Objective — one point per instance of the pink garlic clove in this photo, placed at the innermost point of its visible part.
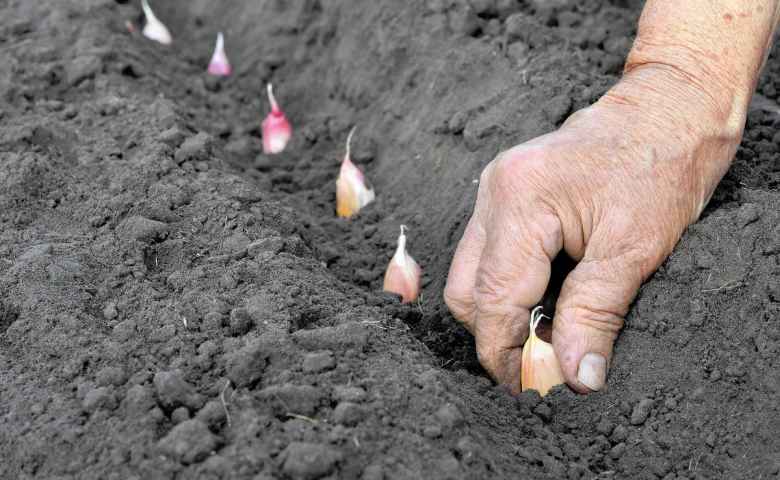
(277, 130)
(219, 64)
(402, 276)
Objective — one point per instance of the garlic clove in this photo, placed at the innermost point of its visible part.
(402, 276)
(154, 28)
(219, 64)
(353, 192)
(540, 369)
(277, 130)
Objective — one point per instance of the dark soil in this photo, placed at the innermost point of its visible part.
(177, 305)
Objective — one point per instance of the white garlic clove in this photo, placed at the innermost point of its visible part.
(402, 276)
(540, 369)
(154, 28)
(353, 192)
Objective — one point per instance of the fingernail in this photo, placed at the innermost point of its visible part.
(593, 371)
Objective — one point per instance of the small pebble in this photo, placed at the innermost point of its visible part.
(432, 431)
(605, 426)
(348, 414)
(349, 394)
(309, 460)
(318, 362)
(110, 376)
(138, 400)
(212, 414)
(173, 391)
(543, 411)
(619, 434)
(449, 416)
(179, 415)
(245, 366)
(747, 214)
(641, 411)
(109, 311)
(188, 442)
(617, 451)
(468, 448)
(101, 397)
(240, 322)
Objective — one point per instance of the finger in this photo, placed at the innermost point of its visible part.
(512, 277)
(459, 291)
(589, 314)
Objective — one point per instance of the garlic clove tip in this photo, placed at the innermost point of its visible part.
(154, 29)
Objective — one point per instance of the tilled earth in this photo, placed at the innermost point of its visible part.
(174, 304)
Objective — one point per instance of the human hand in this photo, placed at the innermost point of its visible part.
(614, 187)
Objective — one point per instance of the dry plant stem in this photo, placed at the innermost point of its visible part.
(272, 98)
(302, 417)
(224, 403)
(349, 142)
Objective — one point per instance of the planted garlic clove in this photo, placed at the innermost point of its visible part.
(353, 191)
(402, 276)
(276, 128)
(154, 28)
(540, 370)
(219, 64)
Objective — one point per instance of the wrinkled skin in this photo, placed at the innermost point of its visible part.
(615, 187)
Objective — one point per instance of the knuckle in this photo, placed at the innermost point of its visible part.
(603, 321)
(523, 170)
(507, 169)
(487, 172)
(648, 253)
(460, 307)
(488, 358)
(490, 292)
(544, 233)
(523, 159)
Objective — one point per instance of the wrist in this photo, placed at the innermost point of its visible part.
(682, 100)
(721, 92)
(664, 105)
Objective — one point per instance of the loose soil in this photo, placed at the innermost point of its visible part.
(177, 305)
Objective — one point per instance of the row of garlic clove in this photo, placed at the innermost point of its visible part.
(154, 29)
(277, 130)
(353, 191)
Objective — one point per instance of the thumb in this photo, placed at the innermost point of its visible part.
(589, 314)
